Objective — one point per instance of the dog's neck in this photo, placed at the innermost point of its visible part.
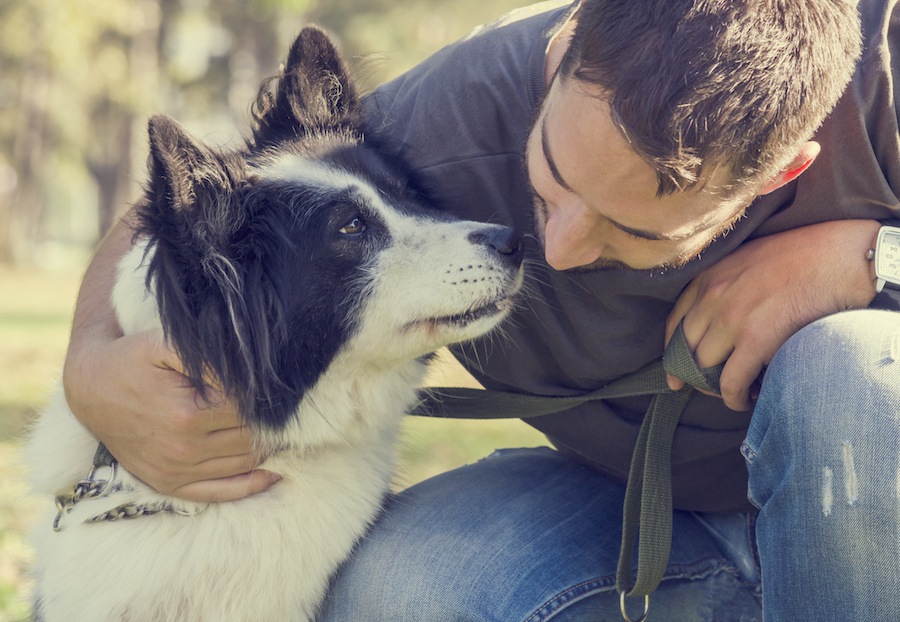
(350, 405)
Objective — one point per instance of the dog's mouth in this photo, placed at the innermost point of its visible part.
(493, 308)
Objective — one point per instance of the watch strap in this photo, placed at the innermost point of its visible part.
(888, 299)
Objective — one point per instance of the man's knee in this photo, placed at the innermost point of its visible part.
(845, 363)
(829, 397)
(854, 344)
(378, 585)
(836, 380)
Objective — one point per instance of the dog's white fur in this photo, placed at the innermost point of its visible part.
(268, 557)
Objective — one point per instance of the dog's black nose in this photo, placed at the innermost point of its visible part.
(505, 241)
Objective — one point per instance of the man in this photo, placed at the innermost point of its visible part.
(647, 131)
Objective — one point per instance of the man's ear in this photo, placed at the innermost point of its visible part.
(808, 152)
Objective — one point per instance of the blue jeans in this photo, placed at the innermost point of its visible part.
(528, 535)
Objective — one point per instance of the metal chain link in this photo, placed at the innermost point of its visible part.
(90, 488)
(87, 488)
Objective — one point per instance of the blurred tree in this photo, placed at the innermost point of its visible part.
(79, 80)
(128, 50)
(74, 95)
(22, 133)
(389, 37)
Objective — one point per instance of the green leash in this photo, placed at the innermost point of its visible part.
(648, 496)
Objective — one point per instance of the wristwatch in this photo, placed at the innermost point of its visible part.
(886, 255)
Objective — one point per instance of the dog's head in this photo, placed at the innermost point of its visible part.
(267, 264)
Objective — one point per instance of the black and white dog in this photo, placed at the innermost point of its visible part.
(306, 275)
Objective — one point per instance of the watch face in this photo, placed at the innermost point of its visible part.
(887, 258)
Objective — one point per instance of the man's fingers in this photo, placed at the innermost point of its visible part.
(231, 441)
(157, 350)
(186, 413)
(219, 467)
(164, 357)
(680, 310)
(152, 420)
(217, 412)
(674, 384)
(172, 479)
(738, 382)
(713, 349)
(231, 446)
(709, 347)
(695, 333)
(228, 488)
(676, 316)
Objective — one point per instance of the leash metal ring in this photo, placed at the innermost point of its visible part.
(108, 483)
(625, 612)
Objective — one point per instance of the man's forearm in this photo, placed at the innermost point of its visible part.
(95, 318)
(94, 313)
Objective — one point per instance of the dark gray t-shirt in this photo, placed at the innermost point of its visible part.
(461, 119)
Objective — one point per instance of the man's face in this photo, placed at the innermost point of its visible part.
(595, 198)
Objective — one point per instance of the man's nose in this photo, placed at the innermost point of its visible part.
(571, 239)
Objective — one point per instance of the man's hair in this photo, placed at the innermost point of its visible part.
(698, 86)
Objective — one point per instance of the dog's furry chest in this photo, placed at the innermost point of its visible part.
(266, 557)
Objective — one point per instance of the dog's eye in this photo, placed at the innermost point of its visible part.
(354, 227)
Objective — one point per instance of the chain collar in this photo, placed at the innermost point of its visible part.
(100, 482)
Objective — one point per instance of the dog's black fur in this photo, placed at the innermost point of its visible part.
(234, 300)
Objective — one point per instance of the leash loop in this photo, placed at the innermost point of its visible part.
(624, 610)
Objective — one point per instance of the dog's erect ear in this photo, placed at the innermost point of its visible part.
(177, 162)
(192, 182)
(313, 93)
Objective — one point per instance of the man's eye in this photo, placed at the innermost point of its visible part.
(634, 237)
(354, 227)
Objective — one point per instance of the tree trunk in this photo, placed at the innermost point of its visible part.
(20, 215)
(116, 169)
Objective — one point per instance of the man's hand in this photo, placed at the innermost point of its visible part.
(741, 310)
(130, 393)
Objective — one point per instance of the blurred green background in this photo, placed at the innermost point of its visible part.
(78, 82)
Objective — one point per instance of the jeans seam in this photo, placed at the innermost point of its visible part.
(700, 569)
(586, 588)
(754, 551)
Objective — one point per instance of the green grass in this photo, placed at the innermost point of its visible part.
(35, 314)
